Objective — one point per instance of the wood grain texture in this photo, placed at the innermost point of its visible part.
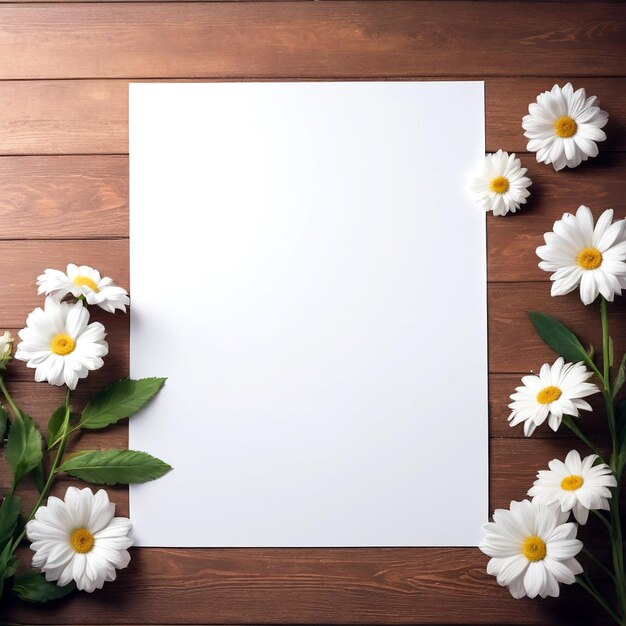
(81, 197)
(91, 116)
(310, 39)
(74, 208)
(66, 197)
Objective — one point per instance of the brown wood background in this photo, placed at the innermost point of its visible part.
(64, 73)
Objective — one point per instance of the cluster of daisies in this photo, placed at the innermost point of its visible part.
(77, 538)
(562, 127)
(532, 545)
(59, 342)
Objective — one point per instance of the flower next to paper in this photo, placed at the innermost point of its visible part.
(575, 485)
(78, 538)
(532, 549)
(60, 343)
(499, 183)
(6, 348)
(558, 390)
(563, 126)
(84, 282)
(580, 254)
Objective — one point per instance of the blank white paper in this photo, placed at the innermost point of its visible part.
(308, 271)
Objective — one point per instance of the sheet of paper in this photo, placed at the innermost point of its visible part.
(308, 271)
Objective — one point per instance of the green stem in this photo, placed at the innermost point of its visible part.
(599, 564)
(604, 520)
(55, 464)
(7, 395)
(571, 424)
(614, 513)
(600, 600)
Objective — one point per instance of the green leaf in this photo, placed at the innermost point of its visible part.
(112, 467)
(4, 422)
(560, 338)
(9, 514)
(620, 377)
(55, 423)
(8, 565)
(118, 400)
(23, 447)
(33, 587)
(38, 477)
(591, 351)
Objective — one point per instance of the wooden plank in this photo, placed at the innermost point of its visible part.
(87, 197)
(325, 586)
(310, 39)
(514, 346)
(40, 399)
(64, 197)
(512, 240)
(91, 116)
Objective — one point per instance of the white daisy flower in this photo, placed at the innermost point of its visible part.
(79, 539)
(532, 550)
(86, 282)
(60, 344)
(575, 485)
(563, 126)
(558, 390)
(580, 254)
(499, 183)
(6, 345)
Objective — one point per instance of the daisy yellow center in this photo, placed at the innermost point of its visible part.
(534, 548)
(589, 259)
(548, 395)
(81, 540)
(565, 127)
(62, 344)
(499, 184)
(84, 281)
(573, 482)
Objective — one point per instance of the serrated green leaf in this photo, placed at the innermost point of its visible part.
(560, 338)
(119, 400)
(4, 422)
(112, 467)
(9, 514)
(620, 377)
(23, 447)
(33, 587)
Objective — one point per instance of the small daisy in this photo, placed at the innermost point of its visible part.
(499, 183)
(60, 344)
(580, 254)
(84, 282)
(557, 391)
(78, 539)
(532, 550)
(576, 485)
(563, 126)
(6, 345)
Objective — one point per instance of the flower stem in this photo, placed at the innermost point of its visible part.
(571, 424)
(599, 564)
(55, 464)
(7, 395)
(617, 546)
(599, 599)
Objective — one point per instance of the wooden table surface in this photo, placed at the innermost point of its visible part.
(64, 74)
